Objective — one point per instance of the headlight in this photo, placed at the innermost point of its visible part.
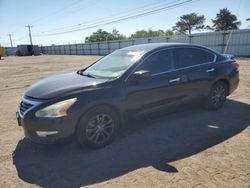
(56, 110)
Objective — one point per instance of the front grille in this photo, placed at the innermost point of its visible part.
(24, 106)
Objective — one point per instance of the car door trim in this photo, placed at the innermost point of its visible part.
(210, 70)
(174, 80)
(169, 48)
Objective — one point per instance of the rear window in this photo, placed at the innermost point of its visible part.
(185, 57)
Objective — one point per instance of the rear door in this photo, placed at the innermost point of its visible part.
(196, 68)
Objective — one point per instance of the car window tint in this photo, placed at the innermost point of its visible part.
(184, 57)
(158, 62)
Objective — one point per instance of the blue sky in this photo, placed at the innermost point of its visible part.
(49, 16)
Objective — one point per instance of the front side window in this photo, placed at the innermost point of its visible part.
(185, 57)
(158, 62)
(114, 64)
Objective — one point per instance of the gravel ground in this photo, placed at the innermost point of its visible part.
(189, 148)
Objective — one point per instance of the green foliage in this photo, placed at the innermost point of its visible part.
(169, 32)
(140, 34)
(189, 22)
(115, 35)
(224, 20)
(151, 33)
(101, 35)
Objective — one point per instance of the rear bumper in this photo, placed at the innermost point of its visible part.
(234, 82)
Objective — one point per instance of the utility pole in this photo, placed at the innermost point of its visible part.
(29, 26)
(10, 40)
(31, 49)
(248, 19)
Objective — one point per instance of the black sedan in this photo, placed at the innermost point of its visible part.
(92, 103)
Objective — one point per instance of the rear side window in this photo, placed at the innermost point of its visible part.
(185, 57)
(158, 62)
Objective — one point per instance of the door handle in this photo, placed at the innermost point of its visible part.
(210, 70)
(174, 80)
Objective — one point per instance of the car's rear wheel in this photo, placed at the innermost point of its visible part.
(217, 96)
(98, 127)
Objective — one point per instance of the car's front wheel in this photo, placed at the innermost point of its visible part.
(98, 127)
(217, 96)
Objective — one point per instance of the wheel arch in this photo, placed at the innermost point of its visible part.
(226, 81)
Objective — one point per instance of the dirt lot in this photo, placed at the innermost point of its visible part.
(190, 148)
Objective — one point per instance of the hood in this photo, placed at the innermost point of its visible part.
(54, 86)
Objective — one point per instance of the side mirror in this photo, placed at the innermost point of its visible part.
(139, 76)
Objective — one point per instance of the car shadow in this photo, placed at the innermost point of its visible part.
(152, 142)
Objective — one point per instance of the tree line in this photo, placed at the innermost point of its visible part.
(188, 23)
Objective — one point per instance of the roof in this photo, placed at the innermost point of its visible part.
(151, 46)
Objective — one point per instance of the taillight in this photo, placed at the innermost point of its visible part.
(235, 65)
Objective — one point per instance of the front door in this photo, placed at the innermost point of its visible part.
(162, 89)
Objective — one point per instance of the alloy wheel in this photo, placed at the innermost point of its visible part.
(218, 95)
(100, 128)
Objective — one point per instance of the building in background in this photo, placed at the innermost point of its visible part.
(27, 50)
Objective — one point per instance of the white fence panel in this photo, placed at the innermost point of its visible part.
(236, 42)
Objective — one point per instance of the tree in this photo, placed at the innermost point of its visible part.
(101, 35)
(169, 32)
(189, 22)
(150, 33)
(140, 34)
(158, 32)
(115, 35)
(224, 20)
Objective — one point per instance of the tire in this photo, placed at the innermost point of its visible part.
(98, 127)
(217, 96)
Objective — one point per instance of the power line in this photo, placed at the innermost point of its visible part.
(21, 38)
(124, 13)
(56, 12)
(127, 18)
(48, 15)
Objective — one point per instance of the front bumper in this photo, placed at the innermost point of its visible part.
(45, 130)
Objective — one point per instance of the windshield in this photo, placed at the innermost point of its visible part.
(114, 64)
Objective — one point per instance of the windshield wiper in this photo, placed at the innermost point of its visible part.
(85, 74)
(88, 75)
